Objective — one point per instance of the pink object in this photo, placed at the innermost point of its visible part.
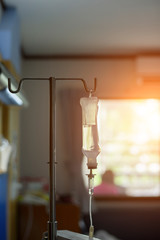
(106, 189)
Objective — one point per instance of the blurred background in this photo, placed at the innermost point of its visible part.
(117, 42)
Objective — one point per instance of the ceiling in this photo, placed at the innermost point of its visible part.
(89, 27)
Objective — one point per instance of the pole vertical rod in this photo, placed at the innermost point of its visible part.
(52, 231)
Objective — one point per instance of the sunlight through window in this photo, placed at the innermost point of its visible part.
(129, 137)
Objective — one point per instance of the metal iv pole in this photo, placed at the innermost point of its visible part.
(52, 223)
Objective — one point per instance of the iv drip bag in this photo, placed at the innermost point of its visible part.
(90, 146)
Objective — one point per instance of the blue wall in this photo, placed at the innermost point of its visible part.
(3, 205)
(10, 37)
(9, 50)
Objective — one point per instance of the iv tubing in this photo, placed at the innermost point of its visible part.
(90, 209)
(91, 228)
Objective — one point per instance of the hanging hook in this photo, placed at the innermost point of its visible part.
(20, 83)
(90, 90)
(10, 88)
(84, 83)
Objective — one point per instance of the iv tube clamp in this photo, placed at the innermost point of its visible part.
(52, 223)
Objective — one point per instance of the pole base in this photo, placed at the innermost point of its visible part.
(69, 235)
(65, 234)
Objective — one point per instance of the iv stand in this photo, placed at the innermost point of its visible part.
(52, 223)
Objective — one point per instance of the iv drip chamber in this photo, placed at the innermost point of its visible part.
(90, 145)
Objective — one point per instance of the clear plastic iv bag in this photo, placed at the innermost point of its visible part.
(90, 143)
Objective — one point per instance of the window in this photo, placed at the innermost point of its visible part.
(129, 138)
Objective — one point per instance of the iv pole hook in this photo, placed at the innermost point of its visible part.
(81, 79)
